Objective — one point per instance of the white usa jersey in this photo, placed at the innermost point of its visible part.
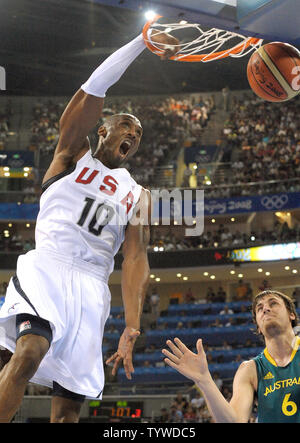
(84, 212)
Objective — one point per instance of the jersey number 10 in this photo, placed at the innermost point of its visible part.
(109, 186)
(92, 226)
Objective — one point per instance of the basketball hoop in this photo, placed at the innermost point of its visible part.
(209, 41)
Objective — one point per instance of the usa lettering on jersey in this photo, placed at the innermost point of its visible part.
(108, 186)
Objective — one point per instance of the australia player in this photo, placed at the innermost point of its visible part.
(273, 376)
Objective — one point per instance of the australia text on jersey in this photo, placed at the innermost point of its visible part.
(182, 207)
(281, 384)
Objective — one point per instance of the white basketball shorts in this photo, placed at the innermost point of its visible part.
(76, 302)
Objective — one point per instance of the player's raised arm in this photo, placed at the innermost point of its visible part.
(135, 280)
(85, 108)
(195, 367)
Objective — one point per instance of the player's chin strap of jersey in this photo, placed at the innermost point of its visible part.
(111, 70)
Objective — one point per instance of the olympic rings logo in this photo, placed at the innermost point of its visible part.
(275, 201)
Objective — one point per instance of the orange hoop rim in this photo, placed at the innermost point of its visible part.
(197, 57)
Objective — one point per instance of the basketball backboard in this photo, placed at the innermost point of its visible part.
(274, 20)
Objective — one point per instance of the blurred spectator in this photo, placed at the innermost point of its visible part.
(190, 414)
(176, 415)
(210, 295)
(221, 295)
(296, 296)
(217, 323)
(164, 416)
(147, 364)
(154, 302)
(197, 401)
(5, 115)
(226, 311)
(180, 401)
(204, 415)
(217, 380)
(189, 297)
(241, 291)
(264, 285)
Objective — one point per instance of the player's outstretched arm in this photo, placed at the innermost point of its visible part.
(85, 108)
(195, 367)
(135, 280)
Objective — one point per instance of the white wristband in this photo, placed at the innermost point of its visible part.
(111, 70)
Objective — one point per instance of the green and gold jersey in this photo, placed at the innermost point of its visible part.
(278, 388)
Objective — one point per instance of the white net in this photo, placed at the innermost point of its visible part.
(208, 45)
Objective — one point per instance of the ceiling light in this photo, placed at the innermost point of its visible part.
(260, 270)
(157, 279)
(240, 275)
(149, 15)
(185, 278)
(205, 273)
(294, 271)
(152, 276)
(178, 275)
(232, 272)
(286, 268)
(212, 277)
(268, 273)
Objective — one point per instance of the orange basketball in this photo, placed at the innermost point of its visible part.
(274, 72)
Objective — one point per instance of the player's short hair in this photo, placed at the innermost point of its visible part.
(288, 301)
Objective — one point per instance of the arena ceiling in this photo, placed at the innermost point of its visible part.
(50, 47)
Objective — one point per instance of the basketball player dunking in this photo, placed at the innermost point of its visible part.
(57, 304)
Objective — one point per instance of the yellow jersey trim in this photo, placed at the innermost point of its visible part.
(295, 349)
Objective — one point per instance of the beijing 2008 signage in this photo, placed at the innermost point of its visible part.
(285, 251)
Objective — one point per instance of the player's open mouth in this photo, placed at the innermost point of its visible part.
(124, 148)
